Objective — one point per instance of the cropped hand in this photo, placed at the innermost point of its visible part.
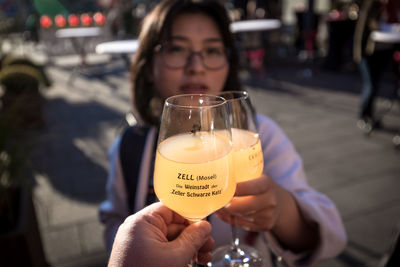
(157, 236)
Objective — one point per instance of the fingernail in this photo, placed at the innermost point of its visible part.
(205, 227)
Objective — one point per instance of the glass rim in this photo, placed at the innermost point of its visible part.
(216, 97)
(242, 94)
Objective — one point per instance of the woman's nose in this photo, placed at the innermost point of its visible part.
(195, 63)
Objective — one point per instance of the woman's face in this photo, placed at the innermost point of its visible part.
(194, 32)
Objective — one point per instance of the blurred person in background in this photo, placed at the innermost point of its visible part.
(373, 58)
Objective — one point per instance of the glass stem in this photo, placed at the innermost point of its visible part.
(235, 237)
(193, 262)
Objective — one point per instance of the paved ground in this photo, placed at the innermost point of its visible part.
(361, 174)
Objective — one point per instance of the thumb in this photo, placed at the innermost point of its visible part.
(194, 236)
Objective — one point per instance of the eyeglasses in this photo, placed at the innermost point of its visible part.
(177, 56)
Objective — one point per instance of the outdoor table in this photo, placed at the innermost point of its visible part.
(79, 37)
(251, 42)
(77, 34)
(118, 47)
(386, 37)
(123, 48)
(255, 25)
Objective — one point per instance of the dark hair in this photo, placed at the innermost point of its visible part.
(156, 27)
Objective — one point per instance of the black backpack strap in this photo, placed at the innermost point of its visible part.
(131, 149)
(151, 195)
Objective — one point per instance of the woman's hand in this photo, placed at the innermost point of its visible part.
(263, 205)
(256, 205)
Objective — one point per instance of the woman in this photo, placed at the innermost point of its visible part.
(187, 47)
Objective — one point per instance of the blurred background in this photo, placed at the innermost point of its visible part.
(65, 95)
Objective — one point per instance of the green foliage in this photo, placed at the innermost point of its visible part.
(20, 102)
(20, 105)
(20, 79)
(13, 153)
(18, 74)
(14, 164)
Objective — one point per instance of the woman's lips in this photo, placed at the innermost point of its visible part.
(194, 89)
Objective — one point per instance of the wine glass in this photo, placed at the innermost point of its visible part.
(248, 164)
(192, 173)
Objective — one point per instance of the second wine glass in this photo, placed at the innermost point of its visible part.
(247, 164)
